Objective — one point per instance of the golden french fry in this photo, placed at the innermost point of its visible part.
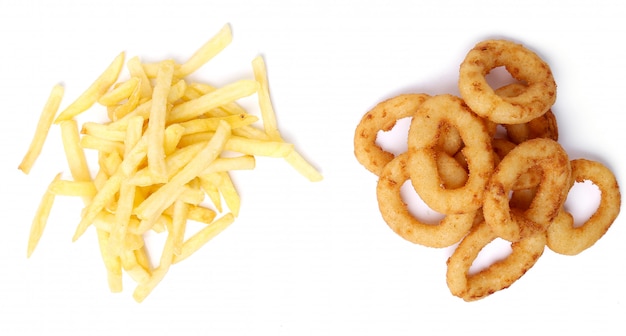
(123, 214)
(156, 121)
(302, 166)
(112, 263)
(143, 111)
(136, 70)
(265, 104)
(172, 136)
(102, 131)
(109, 162)
(244, 162)
(201, 214)
(101, 145)
(130, 105)
(195, 242)
(166, 149)
(210, 124)
(167, 255)
(269, 122)
(131, 265)
(98, 88)
(226, 188)
(41, 131)
(119, 93)
(99, 202)
(259, 147)
(177, 91)
(211, 48)
(41, 218)
(133, 134)
(196, 107)
(212, 192)
(73, 188)
(179, 223)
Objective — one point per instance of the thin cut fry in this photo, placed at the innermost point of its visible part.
(196, 241)
(43, 126)
(211, 48)
(156, 121)
(172, 136)
(99, 202)
(98, 88)
(112, 263)
(210, 124)
(123, 214)
(73, 188)
(226, 188)
(136, 70)
(41, 218)
(167, 150)
(258, 147)
(131, 265)
(265, 103)
(197, 107)
(102, 131)
(119, 93)
(179, 223)
(303, 167)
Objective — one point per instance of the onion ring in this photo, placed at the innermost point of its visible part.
(544, 126)
(497, 276)
(551, 192)
(527, 180)
(448, 231)
(524, 65)
(382, 117)
(424, 134)
(566, 239)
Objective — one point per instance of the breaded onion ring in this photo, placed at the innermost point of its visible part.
(382, 117)
(566, 239)
(524, 65)
(424, 134)
(497, 276)
(544, 126)
(551, 192)
(527, 180)
(395, 212)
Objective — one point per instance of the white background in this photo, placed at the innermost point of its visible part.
(304, 258)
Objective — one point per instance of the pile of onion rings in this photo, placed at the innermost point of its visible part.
(486, 184)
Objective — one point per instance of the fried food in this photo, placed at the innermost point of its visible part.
(164, 158)
(382, 117)
(566, 239)
(448, 231)
(486, 184)
(423, 144)
(544, 126)
(524, 65)
(497, 276)
(551, 192)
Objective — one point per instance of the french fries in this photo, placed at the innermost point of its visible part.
(164, 159)
(43, 126)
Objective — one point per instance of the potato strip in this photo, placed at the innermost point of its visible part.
(97, 89)
(43, 126)
(41, 218)
(164, 158)
(156, 121)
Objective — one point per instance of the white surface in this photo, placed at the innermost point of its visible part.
(303, 258)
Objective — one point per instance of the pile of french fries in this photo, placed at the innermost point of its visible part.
(164, 158)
